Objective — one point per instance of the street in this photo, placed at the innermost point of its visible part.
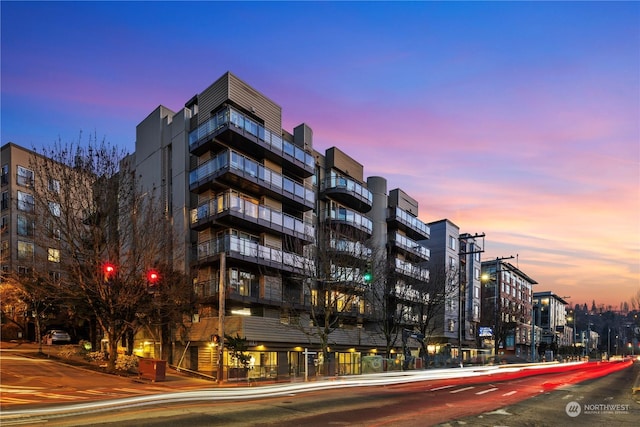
(506, 396)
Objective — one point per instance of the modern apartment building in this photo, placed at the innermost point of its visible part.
(506, 317)
(402, 301)
(251, 202)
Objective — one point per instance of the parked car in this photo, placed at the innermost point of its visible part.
(57, 336)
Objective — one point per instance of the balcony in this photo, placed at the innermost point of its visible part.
(412, 226)
(410, 247)
(236, 170)
(240, 130)
(252, 253)
(228, 209)
(347, 217)
(347, 192)
(411, 270)
(349, 248)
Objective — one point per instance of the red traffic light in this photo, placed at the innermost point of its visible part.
(108, 269)
(153, 277)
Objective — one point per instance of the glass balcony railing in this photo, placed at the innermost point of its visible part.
(355, 249)
(412, 222)
(412, 246)
(232, 160)
(351, 217)
(243, 247)
(273, 140)
(342, 182)
(412, 270)
(229, 202)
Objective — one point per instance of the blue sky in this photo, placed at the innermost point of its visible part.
(517, 119)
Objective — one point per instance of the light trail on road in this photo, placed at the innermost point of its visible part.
(493, 373)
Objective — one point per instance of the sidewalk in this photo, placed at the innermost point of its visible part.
(173, 379)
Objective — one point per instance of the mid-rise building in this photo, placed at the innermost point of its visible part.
(549, 315)
(507, 296)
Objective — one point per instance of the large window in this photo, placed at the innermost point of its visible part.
(25, 251)
(25, 226)
(5, 200)
(25, 202)
(25, 177)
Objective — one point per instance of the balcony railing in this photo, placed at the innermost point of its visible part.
(227, 202)
(411, 221)
(348, 185)
(238, 246)
(230, 159)
(355, 249)
(272, 140)
(351, 217)
(411, 270)
(412, 246)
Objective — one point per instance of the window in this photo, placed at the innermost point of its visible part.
(452, 261)
(4, 224)
(24, 271)
(54, 185)
(25, 251)
(476, 273)
(5, 200)
(452, 243)
(53, 255)
(52, 230)
(25, 177)
(54, 276)
(25, 226)
(476, 292)
(4, 249)
(25, 202)
(54, 208)
(451, 325)
(5, 174)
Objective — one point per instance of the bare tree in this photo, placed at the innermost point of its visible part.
(335, 278)
(106, 233)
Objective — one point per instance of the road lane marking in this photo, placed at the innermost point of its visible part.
(441, 388)
(568, 396)
(93, 392)
(489, 390)
(461, 389)
(510, 393)
(57, 396)
(129, 390)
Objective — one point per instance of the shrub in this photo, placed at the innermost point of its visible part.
(127, 363)
(96, 356)
(69, 351)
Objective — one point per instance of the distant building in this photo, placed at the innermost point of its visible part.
(507, 296)
(549, 313)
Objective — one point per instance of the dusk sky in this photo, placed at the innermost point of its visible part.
(519, 120)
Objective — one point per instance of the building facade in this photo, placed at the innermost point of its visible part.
(507, 296)
(549, 316)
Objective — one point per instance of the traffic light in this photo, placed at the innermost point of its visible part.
(109, 271)
(153, 279)
(367, 276)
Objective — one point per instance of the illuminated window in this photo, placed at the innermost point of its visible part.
(53, 255)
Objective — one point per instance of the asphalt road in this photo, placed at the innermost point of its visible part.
(525, 401)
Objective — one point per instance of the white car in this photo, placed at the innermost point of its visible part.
(57, 336)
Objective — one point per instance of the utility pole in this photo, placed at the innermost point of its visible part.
(475, 249)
